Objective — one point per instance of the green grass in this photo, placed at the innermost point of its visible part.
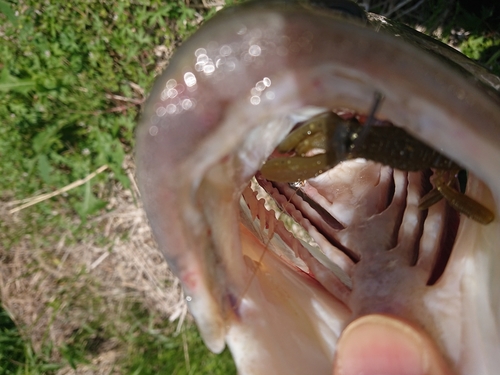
(72, 78)
(152, 351)
(150, 345)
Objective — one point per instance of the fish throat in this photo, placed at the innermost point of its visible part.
(357, 230)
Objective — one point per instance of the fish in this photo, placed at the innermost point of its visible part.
(279, 300)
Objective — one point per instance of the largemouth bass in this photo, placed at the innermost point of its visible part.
(229, 96)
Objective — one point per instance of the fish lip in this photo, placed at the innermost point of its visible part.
(187, 168)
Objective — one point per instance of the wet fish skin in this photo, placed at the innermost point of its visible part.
(198, 147)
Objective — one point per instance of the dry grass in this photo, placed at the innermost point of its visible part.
(54, 290)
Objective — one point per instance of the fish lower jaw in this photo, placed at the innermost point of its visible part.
(341, 250)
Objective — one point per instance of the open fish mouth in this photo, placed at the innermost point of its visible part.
(357, 211)
(231, 94)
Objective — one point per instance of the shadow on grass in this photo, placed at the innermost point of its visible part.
(12, 353)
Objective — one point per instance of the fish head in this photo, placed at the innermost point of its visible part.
(279, 300)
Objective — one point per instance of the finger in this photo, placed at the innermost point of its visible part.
(380, 344)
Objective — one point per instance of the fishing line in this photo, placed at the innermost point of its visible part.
(261, 258)
(361, 136)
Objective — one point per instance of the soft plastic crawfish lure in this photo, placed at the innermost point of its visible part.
(342, 140)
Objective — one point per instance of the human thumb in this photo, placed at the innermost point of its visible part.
(384, 345)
